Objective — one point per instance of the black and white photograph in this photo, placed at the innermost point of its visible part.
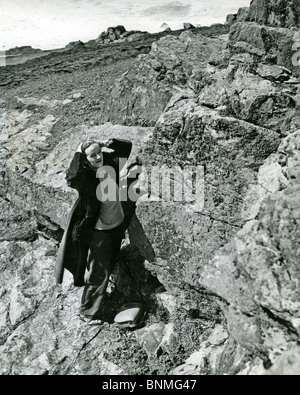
(149, 190)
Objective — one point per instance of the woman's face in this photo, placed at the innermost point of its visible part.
(94, 155)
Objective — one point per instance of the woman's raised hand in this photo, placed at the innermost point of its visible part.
(79, 148)
(104, 143)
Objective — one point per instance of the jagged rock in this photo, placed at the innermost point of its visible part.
(66, 102)
(77, 95)
(17, 131)
(4, 329)
(151, 81)
(231, 19)
(250, 91)
(188, 26)
(165, 27)
(156, 337)
(110, 369)
(39, 327)
(204, 135)
(115, 32)
(271, 44)
(275, 12)
(253, 368)
(273, 73)
(169, 302)
(242, 14)
(287, 365)
(120, 34)
(26, 280)
(271, 178)
(247, 272)
(32, 281)
(16, 224)
(133, 35)
(221, 278)
(208, 357)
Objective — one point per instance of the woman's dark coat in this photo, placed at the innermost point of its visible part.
(74, 246)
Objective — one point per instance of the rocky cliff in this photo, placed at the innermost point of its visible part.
(221, 281)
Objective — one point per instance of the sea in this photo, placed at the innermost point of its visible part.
(45, 24)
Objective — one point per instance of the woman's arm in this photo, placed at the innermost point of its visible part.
(74, 172)
(121, 147)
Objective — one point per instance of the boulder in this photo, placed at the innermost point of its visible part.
(133, 35)
(188, 26)
(112, 34)
(256, 273)
(165, 27)
(270, 44)
(16, 224)
(156, 337)
(208, 357)
(242, 14)
(229, 149)
(275, 12)
(120, 34)
(249, 90)
(231, 19)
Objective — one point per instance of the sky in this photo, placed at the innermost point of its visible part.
(50, 24)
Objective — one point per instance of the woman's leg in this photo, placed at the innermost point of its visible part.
(104, 251)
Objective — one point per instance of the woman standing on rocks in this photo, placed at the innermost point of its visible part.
(97, 222)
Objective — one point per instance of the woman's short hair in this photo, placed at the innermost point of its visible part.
(86, 144)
